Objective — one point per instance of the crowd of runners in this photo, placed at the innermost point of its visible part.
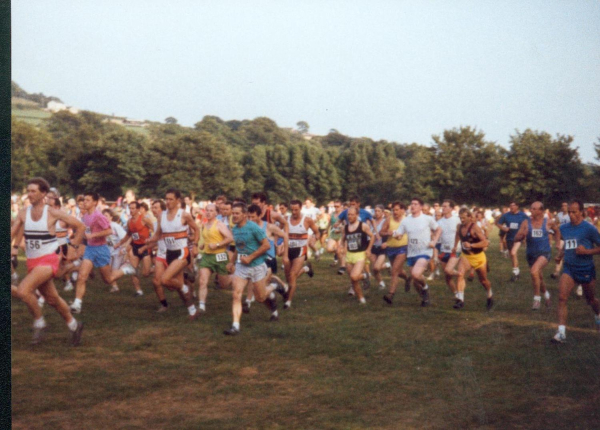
(180, 244)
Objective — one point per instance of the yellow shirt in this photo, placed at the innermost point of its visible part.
(212, 235)
(393, 242)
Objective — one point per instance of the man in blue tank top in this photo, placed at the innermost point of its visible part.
(537, 231)
(510, 222)
(581, 242)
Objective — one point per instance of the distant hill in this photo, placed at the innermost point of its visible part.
(16, 92)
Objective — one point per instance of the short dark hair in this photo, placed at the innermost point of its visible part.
(254, 209)
(144, 205)
(418, 200)
(162, 204)
(175, 192)
(354, 198)
(227, 202)
(262, 197)
(579, 203)
(56, 203)
(94, 195)
(42, 184)
(240, 205)
(239, 200)
(296, 202)
(450, 202)
(136, 203)
(399, 204)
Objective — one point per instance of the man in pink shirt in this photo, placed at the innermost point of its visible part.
(97, 254)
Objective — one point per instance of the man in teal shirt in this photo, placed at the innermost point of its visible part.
(248, 265)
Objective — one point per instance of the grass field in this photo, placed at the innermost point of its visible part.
(31, 116)
(327, 364)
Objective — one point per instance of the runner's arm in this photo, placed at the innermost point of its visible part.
(523, 230)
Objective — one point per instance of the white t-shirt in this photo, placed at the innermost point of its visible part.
(418, 231)
(449, 227)
(115, 237)
(311, 213)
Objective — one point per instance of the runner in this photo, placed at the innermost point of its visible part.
(418, 227)
(173, 227)
(118, 255)
(216, 237)
(537, 230)
(449, 260)
(37, 223)
(562, 218)
(358, 239)
(273, 232)
(378, 251)
(510, 222)
(251, 245)
(473, 242)
(139, 229)
(396, 249)
(581, 243)
(297, 251)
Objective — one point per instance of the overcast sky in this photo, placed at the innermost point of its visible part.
(394, 70)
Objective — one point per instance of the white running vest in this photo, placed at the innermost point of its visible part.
(174, 233)
(38, 240)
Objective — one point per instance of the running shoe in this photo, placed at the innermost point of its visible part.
(341, 271)
(514, 278)
(310, 272)
(425, 296)
(536, 305)
(547, 302)
(489, 304)
(38, 335)
(351, 291)
(245, 307)
(76, 336)
(559, 338)
(367, 282)
(459, 304)
(274, 317)
(68, 286)
(162, 309)
(128, 269)
(555, 275)
(389, 298)
(231, 332)
(76, 309)
(139, 293)
(114, 289)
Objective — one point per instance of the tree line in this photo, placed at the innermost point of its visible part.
(236, 158)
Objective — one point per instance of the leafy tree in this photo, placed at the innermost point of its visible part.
(543, 168)
(171, 120)
(303, 127)
(467, 168)
(28, 146)
(418, 176)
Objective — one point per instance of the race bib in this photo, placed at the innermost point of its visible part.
(170, 241)
(33, 244)
(446, 248)
(514, 226)
(135, 236)
(570, 244)
(352, 246)
(414, 242)
(221, 257)
(294, 244)
(110, 242)
(537, 232)
(239, 258)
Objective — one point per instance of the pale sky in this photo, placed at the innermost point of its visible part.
(394, 70)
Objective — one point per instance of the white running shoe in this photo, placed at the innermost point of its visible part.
(559, 338)
(351, 291)
(41, 301)
(68, 286)
(128, 269)
(76, 309)
(114, 289)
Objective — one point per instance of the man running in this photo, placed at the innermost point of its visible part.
(396, 249)
(298, 248)
(449, 260)
(537, 230)
(37, 223)
(510, 222)
(217, 237)
(581, 242)
(358, 239)
(418, 227)
(173, 227)
(251, 246)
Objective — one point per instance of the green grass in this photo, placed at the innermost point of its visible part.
(31, 116)
(328, 363)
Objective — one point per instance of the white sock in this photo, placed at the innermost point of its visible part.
(365, 275)
(191, 309)
(516, 271)
(363, 300)
(77, 302)
(562, 330)
(537, 298)
(490, 293)
(236, 325)
(461, 296)
(275, 313)
(382, 284)
(72, 325)
(39, 323)
(288, 303)
(185, 289)
(547, 295)
(272, 295)
(202, 306)
(273, 284)
(426, 287)
(305, 269)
